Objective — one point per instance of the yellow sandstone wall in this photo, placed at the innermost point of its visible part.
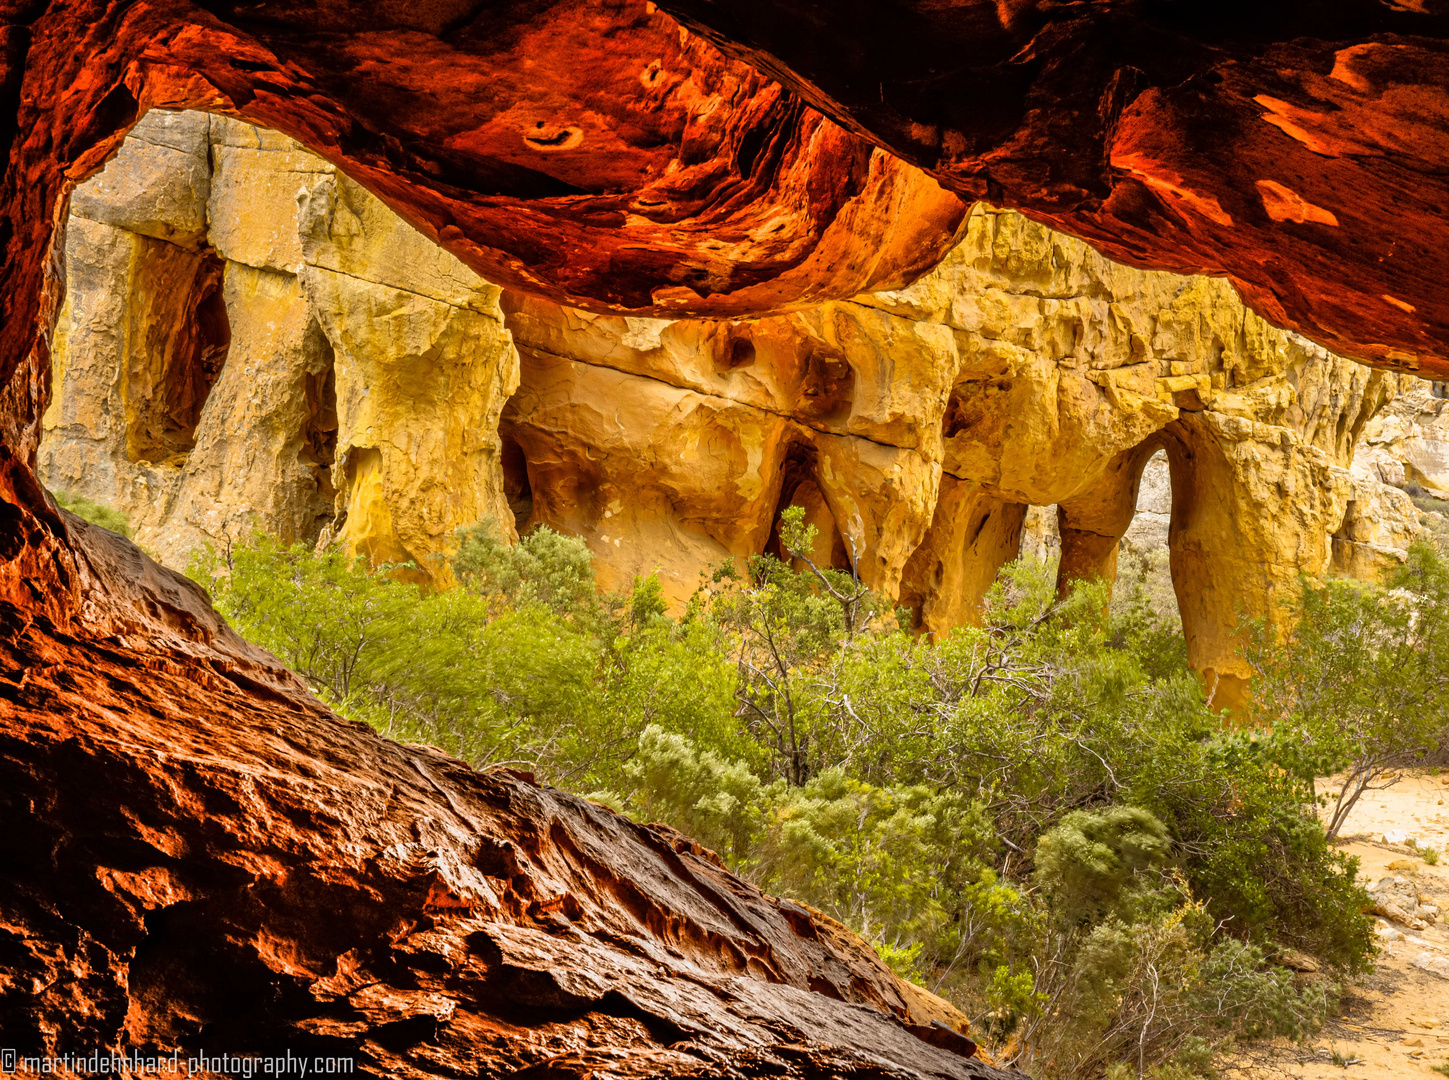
(377, 394)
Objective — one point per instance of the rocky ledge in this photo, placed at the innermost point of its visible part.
(198, 854)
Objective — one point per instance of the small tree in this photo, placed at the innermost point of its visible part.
(788, 623)
(846, 589)
(1361, 684)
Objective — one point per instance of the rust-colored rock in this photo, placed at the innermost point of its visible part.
(595, 155)
(195, 849)
(1299, 150)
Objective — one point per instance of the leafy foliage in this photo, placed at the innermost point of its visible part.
(1361, 685)
(94, 512)
(1039, 817)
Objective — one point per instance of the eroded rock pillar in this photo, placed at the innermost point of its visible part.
(423, 368)
(882, 498)
(185, 355)
(653, 477)
(1253, 508)
(249, 469)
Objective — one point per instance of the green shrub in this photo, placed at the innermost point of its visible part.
(1137, 974)
(1039, 817)
(1361, 684)
(523, 665)
(94, 512)
(1088, 865)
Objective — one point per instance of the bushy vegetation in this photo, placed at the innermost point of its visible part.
(94, 512)
(1039, 818)
(1361, 684)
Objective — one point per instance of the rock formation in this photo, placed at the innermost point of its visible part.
(162, 778)
(920, 425)
(364, 368)
(916, 426)
(1263, 145)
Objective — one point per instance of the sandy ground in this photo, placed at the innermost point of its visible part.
(1394, 1022)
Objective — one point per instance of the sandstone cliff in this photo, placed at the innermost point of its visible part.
(368, 397)
(251, 341)
(919, 426)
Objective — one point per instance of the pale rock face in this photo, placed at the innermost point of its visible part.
(1379, 524)
(702, 428)
(1039, 537)
(158, 183)
(1408, 443)
(1028, 370)
(252, 341)
(258, 179)
(249, 468)
(423, 367)
(1253, 509)
(1025, 393)
(592, 437)
(973, 533)
(85, 430)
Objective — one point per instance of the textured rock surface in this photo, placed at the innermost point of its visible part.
(1299, 150)
(1408, 443)
(670, 445)
(423, 366)
(365, 372)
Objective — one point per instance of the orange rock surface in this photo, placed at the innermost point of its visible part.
(193, 847)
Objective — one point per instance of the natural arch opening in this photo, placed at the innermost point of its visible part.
(1137, 559)
(799, 487)
(191, 248)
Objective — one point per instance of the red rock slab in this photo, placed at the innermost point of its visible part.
(198, 855)
(1300, 149)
